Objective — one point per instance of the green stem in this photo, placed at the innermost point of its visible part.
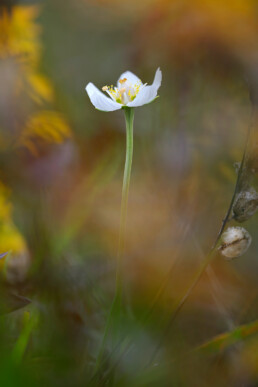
(129, 116)
(19, 349)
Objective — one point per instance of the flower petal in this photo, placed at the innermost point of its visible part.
(130, 78)
(147, 93)
(100, 101)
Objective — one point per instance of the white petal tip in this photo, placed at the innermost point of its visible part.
(158, 77)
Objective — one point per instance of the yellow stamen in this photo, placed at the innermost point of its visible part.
(104, 88)
(122, 80)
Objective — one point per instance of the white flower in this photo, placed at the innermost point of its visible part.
(235, 242)
(130, 91)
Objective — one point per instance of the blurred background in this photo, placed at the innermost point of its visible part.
(61, 170)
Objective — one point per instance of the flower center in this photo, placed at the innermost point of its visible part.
(125, 92)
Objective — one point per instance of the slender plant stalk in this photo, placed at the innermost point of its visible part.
(22, 342)
(129, 117)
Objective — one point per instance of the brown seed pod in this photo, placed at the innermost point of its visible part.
(246, 204)
(235, 242)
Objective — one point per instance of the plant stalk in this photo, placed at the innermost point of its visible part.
(129, 117)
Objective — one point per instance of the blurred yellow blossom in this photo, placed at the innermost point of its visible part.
(10, 238)
(25, 89)
(19, 34)
(48, 126)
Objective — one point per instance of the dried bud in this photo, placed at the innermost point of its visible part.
(246, 205)
(235, 242)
